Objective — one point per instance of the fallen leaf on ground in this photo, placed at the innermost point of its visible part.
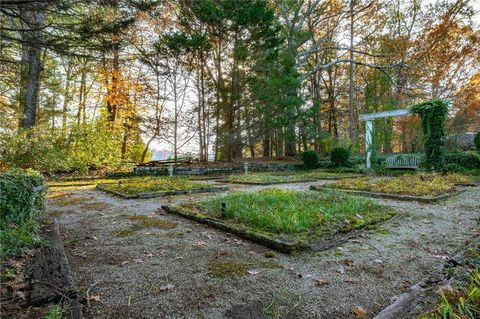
(442, 257)
(95, 298)
(348, 262)
(321, 282)
(207, 235)
(19, 294)
(359, 312)
(199, 244)
(351, 281)
(341, 269)
(238, 242)
(166, 287)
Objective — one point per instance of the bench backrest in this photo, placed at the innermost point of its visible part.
(403, 161)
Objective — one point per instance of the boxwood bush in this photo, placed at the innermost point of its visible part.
(477, 141)
(468, 160)
(22, 200)
(310, 159)
(339, 157)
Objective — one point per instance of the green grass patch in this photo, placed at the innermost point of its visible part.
(235, 269)
(415, 185)
(293, 212)
(124, 232)
(142, 221)
(288, 177)
(154, 184)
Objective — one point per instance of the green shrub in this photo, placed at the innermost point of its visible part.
(433, 114)
(22, 200)
(357, 160)
(455, 168)
(477, 141)
(325, 164)
(339, 157)
(310, 159)
(22, 196)
(469, 160)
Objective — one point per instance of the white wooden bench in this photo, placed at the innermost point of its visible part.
(403, 161)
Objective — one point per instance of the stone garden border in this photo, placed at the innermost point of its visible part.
(422, 199)
(144, 195)
(278, 244)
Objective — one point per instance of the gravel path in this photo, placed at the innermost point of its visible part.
(163, 271)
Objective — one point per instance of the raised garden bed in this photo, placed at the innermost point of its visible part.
(86, 182)
(286, 177)
(423, 199)
(287, 220)
(157, 187)
(423, 188)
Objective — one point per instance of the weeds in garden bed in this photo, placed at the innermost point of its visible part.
(287, 177)
(154, 184)
(290, 212)
(415, 185)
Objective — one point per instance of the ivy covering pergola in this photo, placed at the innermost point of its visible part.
(433, 114)
(368, 118)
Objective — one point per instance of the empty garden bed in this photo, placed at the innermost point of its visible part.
(157, 187)
(287, 220)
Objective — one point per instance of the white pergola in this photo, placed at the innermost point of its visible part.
(368, 118)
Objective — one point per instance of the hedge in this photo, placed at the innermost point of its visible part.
(22, 200)
(310, 159)
(22, 196)
(469, 160)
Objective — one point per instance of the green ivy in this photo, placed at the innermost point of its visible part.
(22, 200)
(22, 196)
(433, 114)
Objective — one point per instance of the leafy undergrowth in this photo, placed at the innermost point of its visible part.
(287, 177)
(292, 212)
(417, 185)
(155, 184)
(464, 301)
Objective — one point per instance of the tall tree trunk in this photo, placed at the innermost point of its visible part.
(351, 111)
(33, 17)
(82, 96)
(66, 97)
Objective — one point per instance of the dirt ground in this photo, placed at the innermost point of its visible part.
(168, 271)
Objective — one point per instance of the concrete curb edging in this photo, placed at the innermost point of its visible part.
(52, 278)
